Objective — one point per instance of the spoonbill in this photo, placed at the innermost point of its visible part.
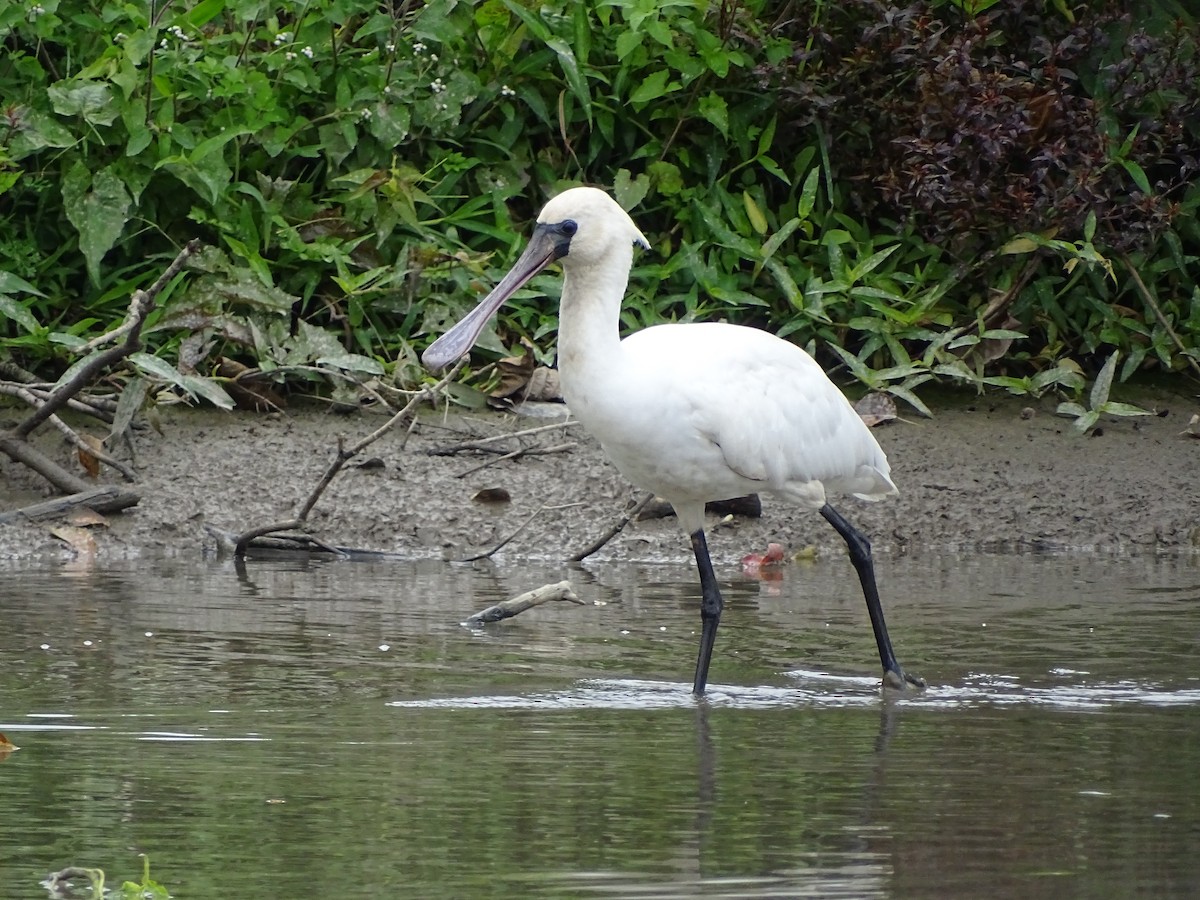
(694, 412)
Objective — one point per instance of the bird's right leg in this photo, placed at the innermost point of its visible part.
(860, 556)
(710, 610)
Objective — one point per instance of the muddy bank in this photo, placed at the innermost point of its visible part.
(978, 476)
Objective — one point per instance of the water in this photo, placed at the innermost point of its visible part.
(329, 729)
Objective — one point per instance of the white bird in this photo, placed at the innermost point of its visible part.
(693, 412)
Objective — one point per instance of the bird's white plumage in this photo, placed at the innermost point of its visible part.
(702, 411)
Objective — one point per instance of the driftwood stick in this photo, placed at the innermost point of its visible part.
(619, 526)
(509, 608)
(101, 499)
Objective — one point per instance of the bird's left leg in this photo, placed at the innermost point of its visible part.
(860, 556)
(710, 610)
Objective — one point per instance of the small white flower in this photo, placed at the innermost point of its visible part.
(506, 91)
(282, 38)
(119, 36)
(433, 56)
(387, 88)
(163, 45)
(308, 51)
(289, 56)
(418, 47)
(36, 10)
(364, 113)
(390, 47)
(438, 86)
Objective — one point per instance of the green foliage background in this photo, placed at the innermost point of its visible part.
(361, 172)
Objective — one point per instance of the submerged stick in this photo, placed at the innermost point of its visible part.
(509, 608)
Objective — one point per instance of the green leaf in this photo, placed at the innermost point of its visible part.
(1087, 420)
(90, 100)
(1113, 408)
(1070, 408)
(98, 207)
(155, 368)
(1138, 174)
(11, 309)
(1021, 244)
(208, 389)
(757, 220)
(872, 262)
(999, 334)
(630, 191)
(652, 88)
(204, 12)
(808, 194)
(13, 284)
(716, 111)
(912, 399)
(1104, 380)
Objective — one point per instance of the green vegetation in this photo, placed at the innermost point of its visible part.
(989, 194)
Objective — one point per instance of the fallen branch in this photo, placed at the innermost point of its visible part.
(102, 499)
(344, 455)
(509, 608)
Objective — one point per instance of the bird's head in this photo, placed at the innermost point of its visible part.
(582, 226)
(586, 225)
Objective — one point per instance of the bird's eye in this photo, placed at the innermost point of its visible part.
(568, 228)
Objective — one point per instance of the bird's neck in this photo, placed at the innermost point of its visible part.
(589, 338)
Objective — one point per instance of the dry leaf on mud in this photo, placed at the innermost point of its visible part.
(1193, 427)
(83, 517)
(522, 378)
(876, 408)
(6, 746)
(78, 539)
(90, 463)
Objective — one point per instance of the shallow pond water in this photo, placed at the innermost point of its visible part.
(330, 729)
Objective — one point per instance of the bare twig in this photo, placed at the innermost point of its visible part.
(496, 549)
(613, 531)
(88, 405)
(508, 608)
(517, 454)
(482, 443)
(344, 455)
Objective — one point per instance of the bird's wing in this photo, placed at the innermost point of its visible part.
(769, 406)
